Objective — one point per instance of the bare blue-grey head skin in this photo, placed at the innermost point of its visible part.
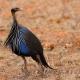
(24, 43)
(13, 10)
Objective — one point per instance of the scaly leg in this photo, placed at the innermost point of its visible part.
(25, 70)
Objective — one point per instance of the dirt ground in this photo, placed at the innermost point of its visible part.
(56, 24)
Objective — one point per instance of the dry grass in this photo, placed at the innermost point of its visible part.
(56, 24)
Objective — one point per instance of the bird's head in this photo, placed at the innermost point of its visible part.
(13, 10)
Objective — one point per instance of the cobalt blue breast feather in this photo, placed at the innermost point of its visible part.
(22, 46)
(19, 42)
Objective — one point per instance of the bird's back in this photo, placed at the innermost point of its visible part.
(32, 41)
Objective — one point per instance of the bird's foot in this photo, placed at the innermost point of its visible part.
(41, 73)
(26, 73)
(46, 72)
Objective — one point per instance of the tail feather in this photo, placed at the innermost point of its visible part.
(44, 61)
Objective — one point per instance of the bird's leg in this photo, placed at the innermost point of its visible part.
(25, 67)
(39, 62)
(43, 72)
(40, 65)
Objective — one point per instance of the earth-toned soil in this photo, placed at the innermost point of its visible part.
(57, 24)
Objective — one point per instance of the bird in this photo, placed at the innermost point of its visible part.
(24, 43)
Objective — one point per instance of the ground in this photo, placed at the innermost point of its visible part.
(56, 24)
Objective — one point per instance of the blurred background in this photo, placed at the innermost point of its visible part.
(57, 24)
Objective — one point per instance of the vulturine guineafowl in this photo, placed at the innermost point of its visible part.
(24, 43)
